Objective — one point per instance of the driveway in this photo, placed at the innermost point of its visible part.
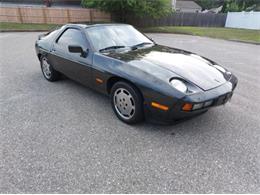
(64, 138)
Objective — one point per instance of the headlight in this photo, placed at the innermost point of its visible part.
(179, 85)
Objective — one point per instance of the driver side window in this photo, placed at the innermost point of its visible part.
(71, 37)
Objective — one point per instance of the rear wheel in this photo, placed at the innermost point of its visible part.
(48, 71)
(127, 103)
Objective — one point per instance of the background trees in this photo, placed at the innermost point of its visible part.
(230, 5)
(159, 8)
(240, 5)
(122, 8)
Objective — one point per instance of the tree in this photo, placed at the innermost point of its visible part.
(239, 5)
(122, 8)
(229, 5)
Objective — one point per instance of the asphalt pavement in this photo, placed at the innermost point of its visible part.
(64, 138)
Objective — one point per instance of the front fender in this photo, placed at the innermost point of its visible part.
(138, 75)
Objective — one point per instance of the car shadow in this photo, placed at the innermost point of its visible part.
(95, 98)
(186, 125)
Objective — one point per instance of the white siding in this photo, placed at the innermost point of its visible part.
(247, 20)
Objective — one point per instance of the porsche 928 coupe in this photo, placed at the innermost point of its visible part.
(144, 80)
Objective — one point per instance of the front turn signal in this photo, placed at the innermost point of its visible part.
(187, 107)
(162, 107)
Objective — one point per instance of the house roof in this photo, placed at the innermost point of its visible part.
(186, 4)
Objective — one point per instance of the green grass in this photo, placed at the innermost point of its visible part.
(16, 26)
(221, 33)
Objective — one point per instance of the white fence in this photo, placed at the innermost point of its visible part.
(247, 20)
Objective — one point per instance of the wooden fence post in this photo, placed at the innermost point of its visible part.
(68, 15)
(20, 15)
(91, 15)
(44, 15)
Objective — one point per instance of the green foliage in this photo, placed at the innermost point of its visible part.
(122, 8)
(230, 5)
(239, 5)
(233, 7)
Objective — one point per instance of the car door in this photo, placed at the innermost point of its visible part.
(73, 65)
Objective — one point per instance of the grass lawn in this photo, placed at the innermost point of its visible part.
(221, 33)
(16, 26)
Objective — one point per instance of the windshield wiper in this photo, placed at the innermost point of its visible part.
(134, 47)
(112, 47)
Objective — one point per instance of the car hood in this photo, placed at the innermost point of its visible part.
(160, 60)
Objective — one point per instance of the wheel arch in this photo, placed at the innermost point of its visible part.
(114, 79)
(39, 56)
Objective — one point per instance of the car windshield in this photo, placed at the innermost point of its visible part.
(116, 36)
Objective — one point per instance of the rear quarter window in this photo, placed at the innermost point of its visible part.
(52, 34)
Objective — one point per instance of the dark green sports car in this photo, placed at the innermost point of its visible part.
(143, 79)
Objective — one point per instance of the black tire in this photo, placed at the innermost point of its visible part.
(53, 74)
(136, 102)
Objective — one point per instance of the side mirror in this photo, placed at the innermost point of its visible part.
(78, 49)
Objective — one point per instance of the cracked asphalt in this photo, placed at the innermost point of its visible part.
(64, 138)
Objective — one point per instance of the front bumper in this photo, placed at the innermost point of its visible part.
(217, 96)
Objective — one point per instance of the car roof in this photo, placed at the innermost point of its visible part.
(94, 25)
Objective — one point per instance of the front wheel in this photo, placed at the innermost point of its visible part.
(127, 102)
(48, 71)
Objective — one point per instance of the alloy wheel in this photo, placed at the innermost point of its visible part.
(124, 103)
(46, 68)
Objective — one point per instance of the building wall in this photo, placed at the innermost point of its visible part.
(186, 6)
(188, 10)
(246, 20)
